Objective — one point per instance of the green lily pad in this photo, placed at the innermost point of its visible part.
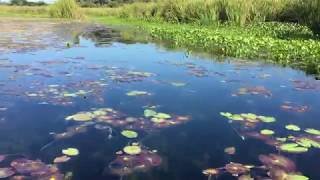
(312, 131)
(129, 134)
(149, 113)
(293, 148)
(70, 95)
(157, 120)
(70, 152)
(85, 116)
(249, 116)
(137, 93)
(162, 116)
(293, 127)
(236, 117)
(308, 143)
(267, 132)
(267, 119)
(281, 139)
(226, 114)
(132, 150)
(296, 177)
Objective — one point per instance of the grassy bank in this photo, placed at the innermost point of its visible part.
(283, 43)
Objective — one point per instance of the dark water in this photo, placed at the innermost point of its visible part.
(39, 73)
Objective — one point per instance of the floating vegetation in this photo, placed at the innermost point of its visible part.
(293, 127)
(312, 131)
(132, 150)
(249, 120)
(267, 132)
(129, 134)
(274, 167)
(61, 159)
(126, 164)
(259, 90)
(127, 76)
(178, 84)
(36, 169)
(230, 150)
(138, 93)
(289, 106)
(70, 152)
(292, 148)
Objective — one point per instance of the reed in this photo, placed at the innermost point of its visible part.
(66, 9)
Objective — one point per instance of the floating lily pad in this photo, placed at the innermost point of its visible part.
(149, 113)
(293, 148)
(267, 132)
(162, 116)
(296, 177)
(312, 131)
(85, 116)
(70, 152)
(236, 117)
(137, 93)
(306, 142)
(267, 119)
(61, 159)
(129, 134)
(226, 114)
(132, 150)
(293, 127)
(157, 120)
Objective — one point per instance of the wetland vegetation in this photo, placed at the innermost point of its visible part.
(171, 89)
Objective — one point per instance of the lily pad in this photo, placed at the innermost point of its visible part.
(312, 131)
(132, 150)
(162, 116)
(70, 152)
(226, 114)
(296, 177)
(157, 120)
(267, 132)
(85, 116)
(306, 142)
(137, 93)
(149, 113)
(236, 117)
(293, 148)
(293, 127)
(129, 134)
(267, 119)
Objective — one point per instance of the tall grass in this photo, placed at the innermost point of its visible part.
(24, 10)
(238, 12)
(66, 9)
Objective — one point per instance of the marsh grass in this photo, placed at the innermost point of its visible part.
(208, 12)
(66, 9)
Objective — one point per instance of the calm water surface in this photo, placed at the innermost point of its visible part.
(43, 82)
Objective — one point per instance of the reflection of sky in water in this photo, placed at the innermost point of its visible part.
(186, 149)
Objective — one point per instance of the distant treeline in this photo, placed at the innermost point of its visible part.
(26, 3)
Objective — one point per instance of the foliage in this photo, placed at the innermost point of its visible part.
(238, 12)
(66, 9)
(282, 43)
(26, 3)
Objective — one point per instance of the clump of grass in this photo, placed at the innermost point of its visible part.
(66, 9)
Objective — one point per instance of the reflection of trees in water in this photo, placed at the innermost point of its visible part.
(101, 35)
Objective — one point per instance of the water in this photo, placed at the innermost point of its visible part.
(41, 81)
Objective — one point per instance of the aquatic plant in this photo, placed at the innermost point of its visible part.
(66, 9)
(70, 152)
(129, 134)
